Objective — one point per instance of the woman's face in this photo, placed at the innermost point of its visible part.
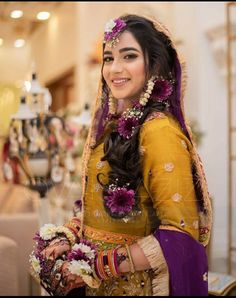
(124, 68)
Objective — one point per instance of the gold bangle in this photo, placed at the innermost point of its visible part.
(132, 269)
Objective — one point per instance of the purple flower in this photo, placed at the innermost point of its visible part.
(41, 243)
(126, 126)
(162, 90)
(120, 201)
(113, 29)
(76, 255)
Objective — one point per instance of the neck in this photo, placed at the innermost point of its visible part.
(124, 104)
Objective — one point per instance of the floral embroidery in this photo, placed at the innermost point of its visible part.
(97, 187)
(155, 115)
(99, 165)
(176, 197)
(169, 167)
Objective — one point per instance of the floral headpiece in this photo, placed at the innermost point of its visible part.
(112, 30)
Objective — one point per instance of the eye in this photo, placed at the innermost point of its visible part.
(130, 56)
(107, 59)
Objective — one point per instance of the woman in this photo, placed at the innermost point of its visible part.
(145, 199)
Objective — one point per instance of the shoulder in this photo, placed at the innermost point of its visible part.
(162, 128)
(158, 121)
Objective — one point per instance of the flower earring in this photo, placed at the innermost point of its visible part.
(144, 97)
(112, 103)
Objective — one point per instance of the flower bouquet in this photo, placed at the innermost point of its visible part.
(79, 261)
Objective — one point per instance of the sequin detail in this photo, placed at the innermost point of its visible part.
(196, 224)
(205, 277)
(176, 197)
(182, 223)
(169, 167)
(97, 187)
(184, 144)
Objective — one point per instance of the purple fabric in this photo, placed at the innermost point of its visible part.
(100, 117)
(187, 263)
(175, 102)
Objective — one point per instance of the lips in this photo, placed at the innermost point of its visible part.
(119, 81)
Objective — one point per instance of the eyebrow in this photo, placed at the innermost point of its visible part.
(122, 50)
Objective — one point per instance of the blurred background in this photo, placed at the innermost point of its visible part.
(58, 46)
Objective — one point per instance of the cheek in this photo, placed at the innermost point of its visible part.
(139, 73)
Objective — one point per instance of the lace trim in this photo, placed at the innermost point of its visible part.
(153, 252)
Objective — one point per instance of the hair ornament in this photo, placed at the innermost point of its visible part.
(113, 29)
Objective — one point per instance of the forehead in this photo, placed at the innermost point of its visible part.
(126, 39)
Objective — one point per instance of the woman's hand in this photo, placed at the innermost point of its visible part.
(62, 281)
(56, 248)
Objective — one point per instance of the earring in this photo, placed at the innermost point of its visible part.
(145, 96)
(112, 103)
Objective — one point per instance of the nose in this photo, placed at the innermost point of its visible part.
(116, 66)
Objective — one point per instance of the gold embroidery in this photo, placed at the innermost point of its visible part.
(169, 167)
(109, 237)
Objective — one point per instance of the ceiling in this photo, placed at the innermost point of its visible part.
(11, 29)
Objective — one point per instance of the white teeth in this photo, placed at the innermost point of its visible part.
(119, 81)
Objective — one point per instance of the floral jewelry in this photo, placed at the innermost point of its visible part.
(112, 31)
(112, 103)
(162, 89)
(159, 89)
(119, 201)
(81, 259)
(129, 121)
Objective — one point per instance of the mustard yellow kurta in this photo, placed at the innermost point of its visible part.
(166, 198)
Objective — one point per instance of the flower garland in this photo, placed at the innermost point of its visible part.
(81, 257)
(119, 201)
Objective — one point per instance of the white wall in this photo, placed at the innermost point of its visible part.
(14, 63)
(53, 45)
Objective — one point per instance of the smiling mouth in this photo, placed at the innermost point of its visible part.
(119, 82)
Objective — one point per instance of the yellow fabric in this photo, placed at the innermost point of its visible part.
(168, 191)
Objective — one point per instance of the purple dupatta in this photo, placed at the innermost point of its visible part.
(187, 263)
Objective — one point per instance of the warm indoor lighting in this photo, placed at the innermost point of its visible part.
(16, 14)
(19, 43)
(1, 41)
(43, 15)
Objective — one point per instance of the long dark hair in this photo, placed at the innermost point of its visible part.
(123, 155)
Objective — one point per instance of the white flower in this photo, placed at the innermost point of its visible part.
(48, 231)
(35, 264)
(109, 26)
(80, 267)
(85, 249)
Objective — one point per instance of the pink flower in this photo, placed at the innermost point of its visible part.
(162, 90)
(126, 126)
(120, 201)
(113, 29)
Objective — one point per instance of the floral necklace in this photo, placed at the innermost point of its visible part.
(120, 200)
